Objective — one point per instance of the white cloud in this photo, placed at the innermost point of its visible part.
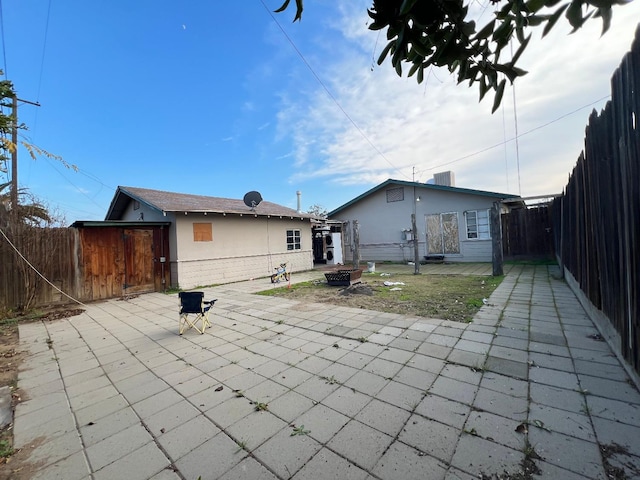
(402, 125)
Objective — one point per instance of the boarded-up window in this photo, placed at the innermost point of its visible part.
(293, 240)
(395, 194)
(202, 232)
(443, 234)
(478, 224)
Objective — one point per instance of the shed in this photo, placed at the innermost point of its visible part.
(121, 258)
(215, 240)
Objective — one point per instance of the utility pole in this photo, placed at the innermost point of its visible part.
(14, 153)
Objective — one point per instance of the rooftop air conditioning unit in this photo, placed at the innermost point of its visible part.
(446, 179)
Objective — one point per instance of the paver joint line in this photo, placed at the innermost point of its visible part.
(501, 391)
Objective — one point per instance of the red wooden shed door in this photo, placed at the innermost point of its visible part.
(138, 258)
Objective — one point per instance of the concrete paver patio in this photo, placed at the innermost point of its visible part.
(116, 393)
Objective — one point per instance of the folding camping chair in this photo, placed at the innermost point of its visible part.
(193, 303)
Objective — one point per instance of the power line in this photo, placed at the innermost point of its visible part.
(304, 60)
(75, 169)
(4, 50)
(44, 48)
(519, 136)
(72, 184)
(504, 136)
(515, 121)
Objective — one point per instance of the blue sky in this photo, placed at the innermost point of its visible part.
(213, 98)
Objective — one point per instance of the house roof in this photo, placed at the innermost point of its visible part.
(427, 186)
(116, 223)
(184, 202)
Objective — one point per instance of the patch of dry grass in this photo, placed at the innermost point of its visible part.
(449, 297)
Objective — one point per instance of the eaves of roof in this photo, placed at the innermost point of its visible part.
(116, 223)
(426, 186)
(171, 202)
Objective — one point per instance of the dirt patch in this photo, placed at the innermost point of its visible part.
(357, 289)
(12, 464)
(10, 356)
(617, 460)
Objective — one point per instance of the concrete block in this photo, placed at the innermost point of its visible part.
(360, 444)
(430, 437)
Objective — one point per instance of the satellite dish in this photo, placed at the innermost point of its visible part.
(252, 199)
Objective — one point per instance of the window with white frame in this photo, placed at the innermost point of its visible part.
(478, 224)
(293, 240)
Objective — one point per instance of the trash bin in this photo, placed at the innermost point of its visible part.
(371, 267)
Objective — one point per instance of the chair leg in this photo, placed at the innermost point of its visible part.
(186, 323)
(205, 321)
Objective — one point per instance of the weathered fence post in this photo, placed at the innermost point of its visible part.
(416, 246)
(356, 245)
(496, 236)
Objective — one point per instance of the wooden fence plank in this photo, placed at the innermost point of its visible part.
(597, 222)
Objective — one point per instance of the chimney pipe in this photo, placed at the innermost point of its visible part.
(299, 193)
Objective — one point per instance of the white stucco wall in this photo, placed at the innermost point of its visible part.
(381, 224)
(242, 248)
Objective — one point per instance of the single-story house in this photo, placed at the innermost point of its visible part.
(212, 240)
(452, 223)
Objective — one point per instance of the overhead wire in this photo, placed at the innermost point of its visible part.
(515, 121)
(330, 95)
(4, 49)
(78, 189)
(504, 136)
(44, 49)
(478, 152)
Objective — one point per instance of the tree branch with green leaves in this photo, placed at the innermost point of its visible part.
(426, 33)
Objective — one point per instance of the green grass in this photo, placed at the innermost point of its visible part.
(173, 290)
(10, 317)
(294, 286)
(6, 450)
(450, 297)
(299, 431)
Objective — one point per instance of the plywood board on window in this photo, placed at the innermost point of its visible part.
(434, 235)
(450, 233)
(202, 232)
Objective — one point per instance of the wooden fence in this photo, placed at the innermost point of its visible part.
(86, 263)
(51, 251)
(528, 233)
(597, 221)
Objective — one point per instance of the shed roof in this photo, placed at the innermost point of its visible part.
(427, 186)
(183, 202)
(116, 223)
